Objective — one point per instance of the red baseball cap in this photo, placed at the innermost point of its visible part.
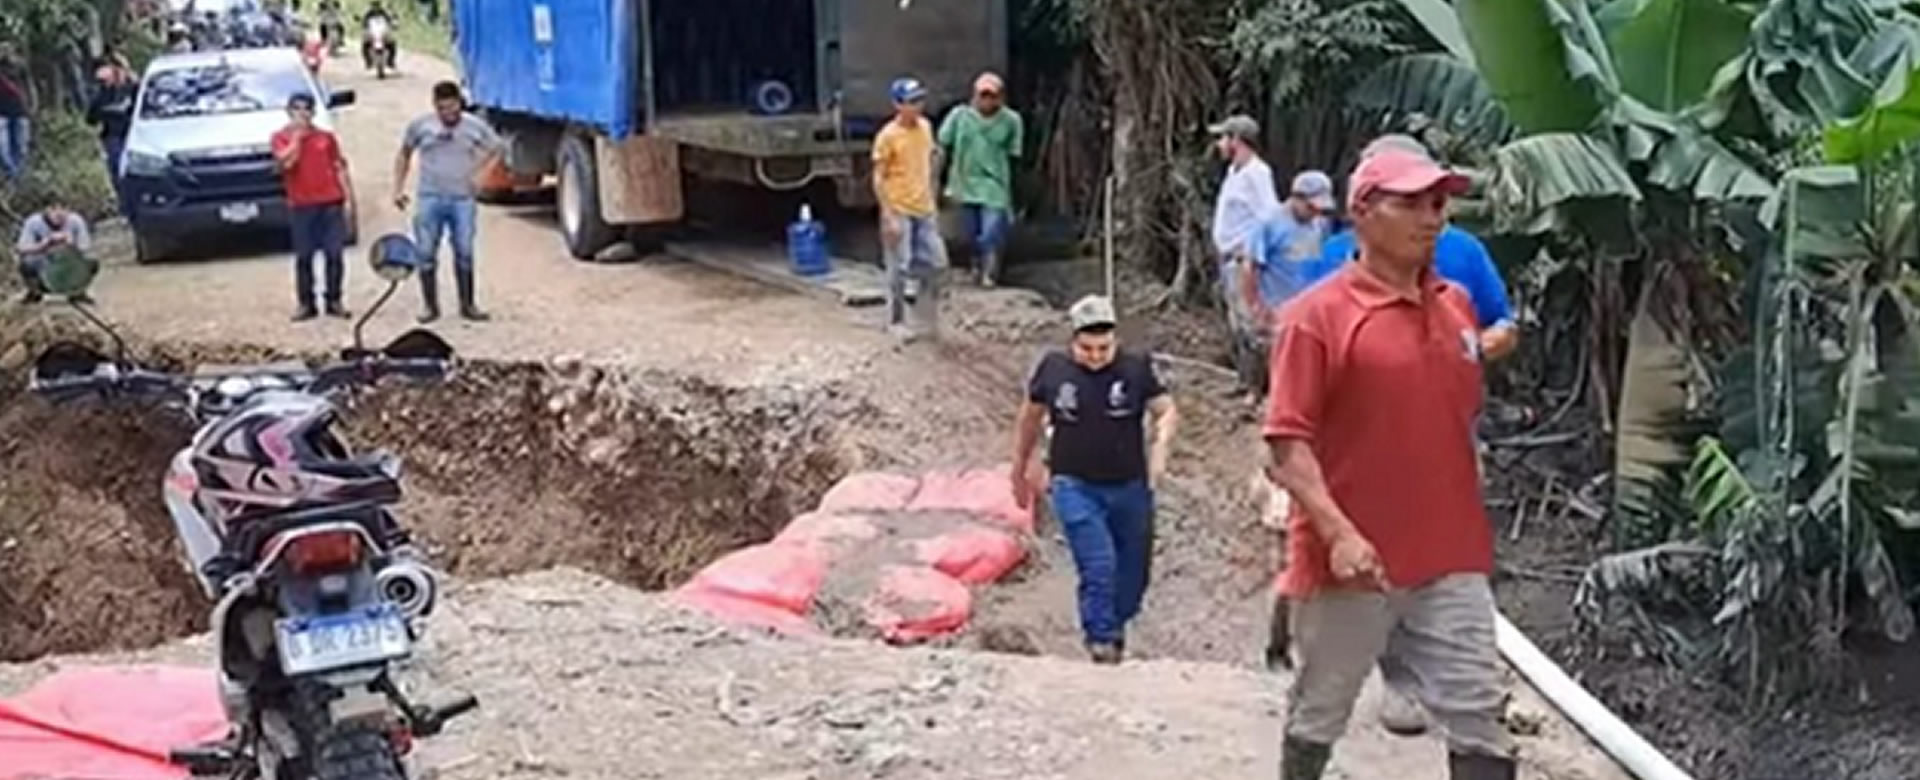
(1400, 172)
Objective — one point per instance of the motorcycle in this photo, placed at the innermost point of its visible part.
(332, 30)
(380, 54)
(316, 601)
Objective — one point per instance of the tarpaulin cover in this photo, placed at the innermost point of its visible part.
(870, 490)
(823, 529)
(983, 492)
(109, 722)
(975, 555)
(575, 60)
(913, 603)
(783, 576)
(975, 539)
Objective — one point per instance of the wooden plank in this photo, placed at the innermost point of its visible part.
(850, 283)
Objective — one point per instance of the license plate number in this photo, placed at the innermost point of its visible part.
(318, 644)
(240, 212)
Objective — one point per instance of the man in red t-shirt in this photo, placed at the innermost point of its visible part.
(1376, 384)
(317, 187)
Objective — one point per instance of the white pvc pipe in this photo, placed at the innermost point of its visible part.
(1620, 741)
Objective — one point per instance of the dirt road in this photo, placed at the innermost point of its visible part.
(580, 678)
(918, 406)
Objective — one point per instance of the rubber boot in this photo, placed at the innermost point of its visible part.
(429, 295)
(468, 310)
(1474, 766)
(1303, 760)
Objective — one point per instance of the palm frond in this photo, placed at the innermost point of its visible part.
(1536, 176)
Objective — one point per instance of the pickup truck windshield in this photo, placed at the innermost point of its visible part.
(219, 89)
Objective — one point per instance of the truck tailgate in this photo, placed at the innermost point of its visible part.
(557, 59)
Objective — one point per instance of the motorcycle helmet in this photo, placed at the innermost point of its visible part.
(278, 452)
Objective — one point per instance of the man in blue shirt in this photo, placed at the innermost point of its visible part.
(1459, 257)
(1283, 255)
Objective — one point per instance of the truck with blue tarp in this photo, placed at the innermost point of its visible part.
(621, 99)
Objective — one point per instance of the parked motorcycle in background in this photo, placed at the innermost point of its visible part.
(319, 592)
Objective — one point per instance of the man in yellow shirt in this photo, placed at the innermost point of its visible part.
(903, 168)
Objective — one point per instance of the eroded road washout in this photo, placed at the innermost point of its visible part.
(510, 467)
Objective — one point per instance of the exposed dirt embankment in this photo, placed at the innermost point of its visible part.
(641, 478)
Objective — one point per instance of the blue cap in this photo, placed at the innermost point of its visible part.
(907, 90)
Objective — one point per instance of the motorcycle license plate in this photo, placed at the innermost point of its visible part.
(240, 212)
(325, 642)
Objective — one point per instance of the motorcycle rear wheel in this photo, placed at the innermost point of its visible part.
(356, 753)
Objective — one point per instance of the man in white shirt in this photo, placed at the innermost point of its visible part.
(1247, 199)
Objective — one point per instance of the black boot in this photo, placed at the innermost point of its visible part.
(429, 295)
(1303, 760)
(464, 279)
(1474, 766)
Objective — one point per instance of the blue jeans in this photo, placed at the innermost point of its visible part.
(318, 230)
(16, 135)
(449, 215)
(1109, 528)
(917, 253)
(987, 229)
(115, 147)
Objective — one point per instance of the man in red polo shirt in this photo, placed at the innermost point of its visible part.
(315, 174)
(1375, 388)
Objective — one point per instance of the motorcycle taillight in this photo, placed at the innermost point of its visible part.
(323, 552)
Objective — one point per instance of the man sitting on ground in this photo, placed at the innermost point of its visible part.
(54, 228)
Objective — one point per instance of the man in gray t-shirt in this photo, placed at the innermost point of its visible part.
(453, 146)
(43, 233)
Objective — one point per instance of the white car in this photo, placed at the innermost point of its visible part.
(198, 158)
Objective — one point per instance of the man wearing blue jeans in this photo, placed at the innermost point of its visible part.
(1099, 400)
(453, 146)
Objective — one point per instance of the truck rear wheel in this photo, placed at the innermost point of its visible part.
(578, 199)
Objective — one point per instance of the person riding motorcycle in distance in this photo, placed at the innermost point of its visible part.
(376, 10)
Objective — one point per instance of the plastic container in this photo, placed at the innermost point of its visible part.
(807, 245)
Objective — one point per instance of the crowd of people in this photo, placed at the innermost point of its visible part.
(1365, 332)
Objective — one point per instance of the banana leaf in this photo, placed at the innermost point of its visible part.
(1891, 122)
(1668, 51)
(1542, 59)
(1536, 176)
(1443, 87)
(1440, 21)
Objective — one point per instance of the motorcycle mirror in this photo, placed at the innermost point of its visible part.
(418, 343)
(67, 272)
(393, 256)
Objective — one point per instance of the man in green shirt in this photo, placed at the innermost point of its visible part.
(980, 141)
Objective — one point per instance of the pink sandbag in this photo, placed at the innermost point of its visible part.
(870, 490)
(783, 576)
(110, 723)
(825, 529)
(745, 612)
(982, 492)
(913, 603)
(974, 555)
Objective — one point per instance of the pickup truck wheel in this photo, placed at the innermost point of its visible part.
(579, 200)
(147, 249)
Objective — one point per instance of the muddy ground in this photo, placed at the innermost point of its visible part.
(637, 420)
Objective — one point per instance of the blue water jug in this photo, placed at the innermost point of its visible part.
(807, 245)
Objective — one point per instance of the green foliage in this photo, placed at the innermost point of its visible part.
(1669, 50)
(1287, 46)
(67, 162)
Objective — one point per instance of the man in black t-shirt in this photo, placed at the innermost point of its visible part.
(1098, 400)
